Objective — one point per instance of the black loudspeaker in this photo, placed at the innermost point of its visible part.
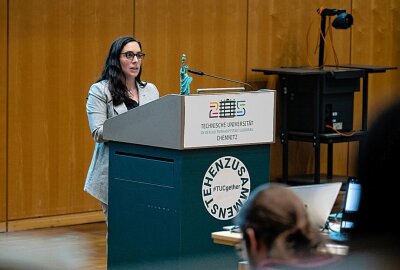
(335, 108)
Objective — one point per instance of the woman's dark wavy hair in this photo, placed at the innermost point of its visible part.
(112, 70)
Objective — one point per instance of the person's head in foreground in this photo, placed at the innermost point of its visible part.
(277, 231)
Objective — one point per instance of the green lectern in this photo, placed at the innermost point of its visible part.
(180, 168)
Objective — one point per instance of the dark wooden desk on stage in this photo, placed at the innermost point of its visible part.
(314, 98)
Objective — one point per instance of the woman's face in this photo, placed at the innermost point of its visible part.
(130, 67)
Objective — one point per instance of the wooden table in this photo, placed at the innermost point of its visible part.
(230, 239)
(226, 238)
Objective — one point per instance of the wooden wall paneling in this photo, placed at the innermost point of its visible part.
(57, 49)
(376, 37)
(212, 34)
(375, 41)
(278, 31)
(54, 221)
(277, 36)
(3, 114)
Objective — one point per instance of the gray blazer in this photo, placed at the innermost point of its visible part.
(99, 107)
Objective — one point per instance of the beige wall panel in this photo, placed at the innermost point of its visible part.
(57, 49)
(375, 41)
(277, 36)
(3, 111)
(211, 33)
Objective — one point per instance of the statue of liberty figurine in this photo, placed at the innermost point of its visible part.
(185, 79)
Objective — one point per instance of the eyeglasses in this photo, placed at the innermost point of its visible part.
(130, 55)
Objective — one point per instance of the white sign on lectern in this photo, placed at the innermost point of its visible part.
(229, 119)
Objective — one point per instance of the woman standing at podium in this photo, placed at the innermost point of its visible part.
(119, 89)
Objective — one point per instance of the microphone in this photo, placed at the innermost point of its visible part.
(201, 73)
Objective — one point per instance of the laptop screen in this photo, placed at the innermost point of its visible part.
(351, 204)
(319, 200)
